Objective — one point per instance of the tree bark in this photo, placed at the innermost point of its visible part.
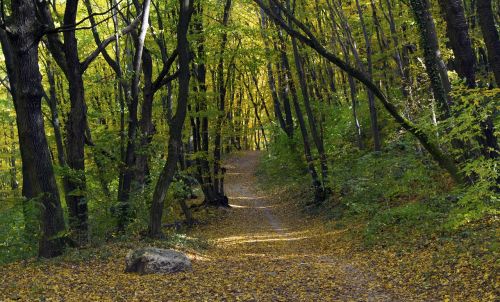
(318, 141)
(221, 90)
(457, 31)
(39, 183)
(432, 57)
(176, 126)
(490, 35)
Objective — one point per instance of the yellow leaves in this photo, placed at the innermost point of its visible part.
(264, 249)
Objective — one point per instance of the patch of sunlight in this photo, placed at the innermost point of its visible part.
(268, 240)
(255, 255)
(261, 235)
(246, 197)
(236, 206)
(265, 237)
(198, 257)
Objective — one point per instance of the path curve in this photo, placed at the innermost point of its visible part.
(278, 252)
(262, 249)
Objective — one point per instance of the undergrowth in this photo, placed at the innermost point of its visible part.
(398, 194)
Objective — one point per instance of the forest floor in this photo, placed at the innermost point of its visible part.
(262, 249)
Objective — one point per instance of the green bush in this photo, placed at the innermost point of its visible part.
(283, 163)
(403, 224)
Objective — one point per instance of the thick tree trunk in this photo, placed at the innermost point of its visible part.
(457, 31)
(39, 179)
(66, 56)
(432, 56)
(490, 35)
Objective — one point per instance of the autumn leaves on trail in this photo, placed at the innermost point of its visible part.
(267, 251)
(261, 250)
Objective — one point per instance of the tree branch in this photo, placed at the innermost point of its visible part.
(126, 30)
(159, 82)
(72, 27)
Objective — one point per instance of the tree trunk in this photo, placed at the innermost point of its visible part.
(371, 97)
(146, 123)
(432, 56)
(308, 38)
(39, 180)
(490, 35)
(176, 126)
(457, 31)
(318, 141)
(221, 90)
(270, 78)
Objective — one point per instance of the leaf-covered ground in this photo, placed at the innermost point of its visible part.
(264, 249)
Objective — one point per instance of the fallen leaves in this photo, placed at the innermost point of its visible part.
(264, 249)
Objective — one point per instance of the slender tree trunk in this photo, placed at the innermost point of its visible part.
(318, 141)
(371, 97)
(308, 38)
(176, 126)
(146, 123)
(271, 80)
(365, 69)
(222, 91)
(130, 170)
(203, 137)
(351, 81)
(52, 101)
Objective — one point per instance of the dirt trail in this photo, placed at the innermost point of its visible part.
(262, 249)
(277, 253)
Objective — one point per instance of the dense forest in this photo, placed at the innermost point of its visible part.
(125, 123)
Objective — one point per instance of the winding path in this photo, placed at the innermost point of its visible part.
(268, 253)
(262, 249)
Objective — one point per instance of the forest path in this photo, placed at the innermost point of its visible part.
(261, 249)
(265, 250)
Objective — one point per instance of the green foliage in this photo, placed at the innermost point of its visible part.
(404, 224)
(475, 109)
(283, 162)
(16, 240)
(368, 182)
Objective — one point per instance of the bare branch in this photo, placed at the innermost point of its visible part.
(73, 27)
(164, 72)
(126, 30)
